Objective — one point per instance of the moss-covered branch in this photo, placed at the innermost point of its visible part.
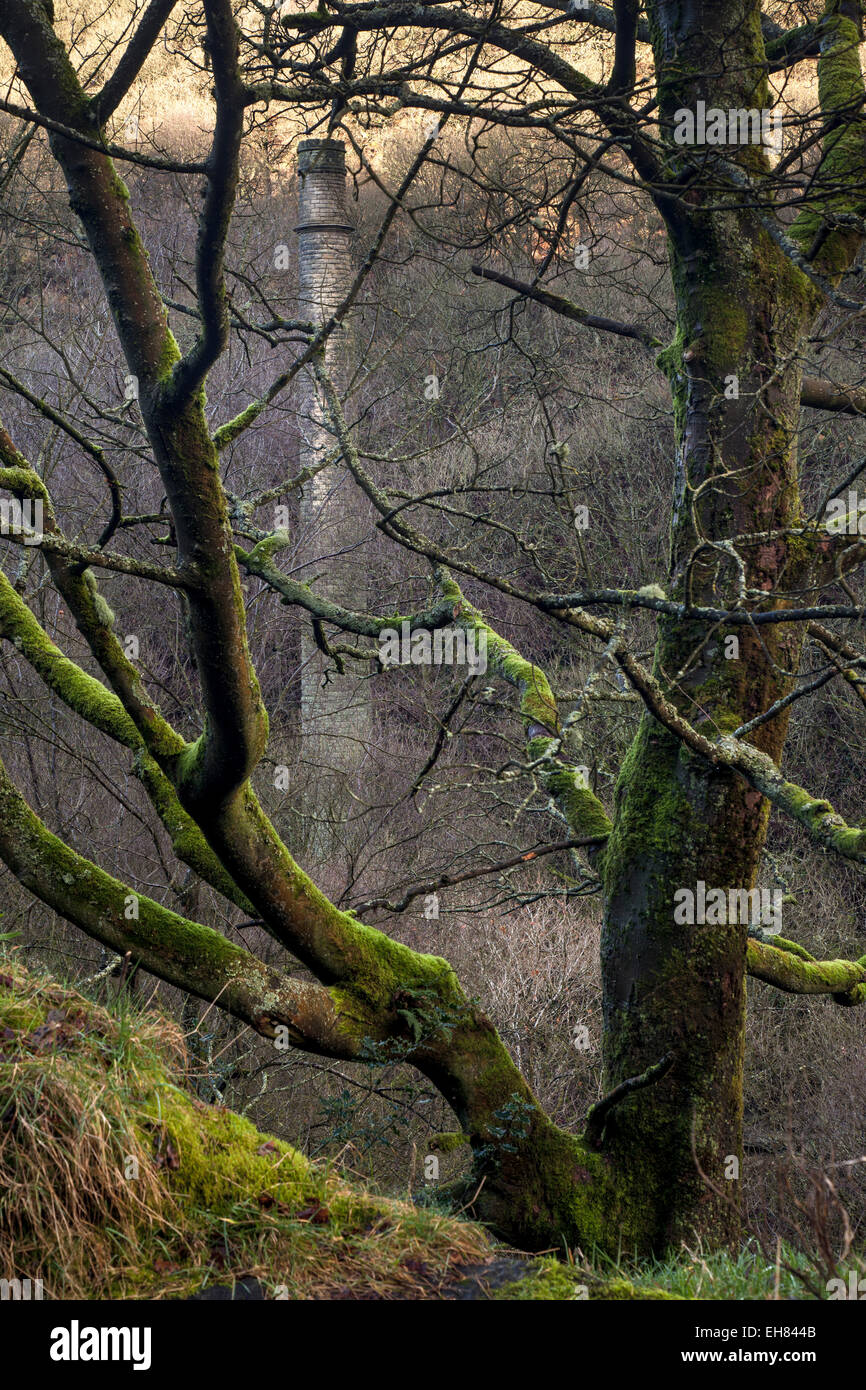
(816, 814)
(259, 561)
(102, 710)
(577, 803)
(92, 615)
(87, 556)
(787, 970)
(786, 49)
(837, 649)
(181, 952)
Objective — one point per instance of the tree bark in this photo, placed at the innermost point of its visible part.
(743, 312)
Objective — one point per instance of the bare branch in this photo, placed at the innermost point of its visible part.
(222, 177)
(597, 1117)
(569, 310)
(132, 60)
(452, 880)
(107, 147)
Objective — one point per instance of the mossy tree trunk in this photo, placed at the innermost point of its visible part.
(743, 312)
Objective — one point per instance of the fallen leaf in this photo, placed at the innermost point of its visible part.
(218, 1254)
(165, 1154)
(317, 1214)
(43, 1036)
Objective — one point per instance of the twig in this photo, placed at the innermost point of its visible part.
(597, 1117)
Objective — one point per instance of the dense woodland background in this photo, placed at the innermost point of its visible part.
(535, 417)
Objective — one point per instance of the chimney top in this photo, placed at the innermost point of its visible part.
(324, 155)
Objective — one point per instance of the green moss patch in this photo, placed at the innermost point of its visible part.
(116, 1182)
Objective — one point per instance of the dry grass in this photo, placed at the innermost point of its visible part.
(116, 1182)
(64, 1145)
(85, 1088)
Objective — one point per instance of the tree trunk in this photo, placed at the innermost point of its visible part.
(743, 309)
